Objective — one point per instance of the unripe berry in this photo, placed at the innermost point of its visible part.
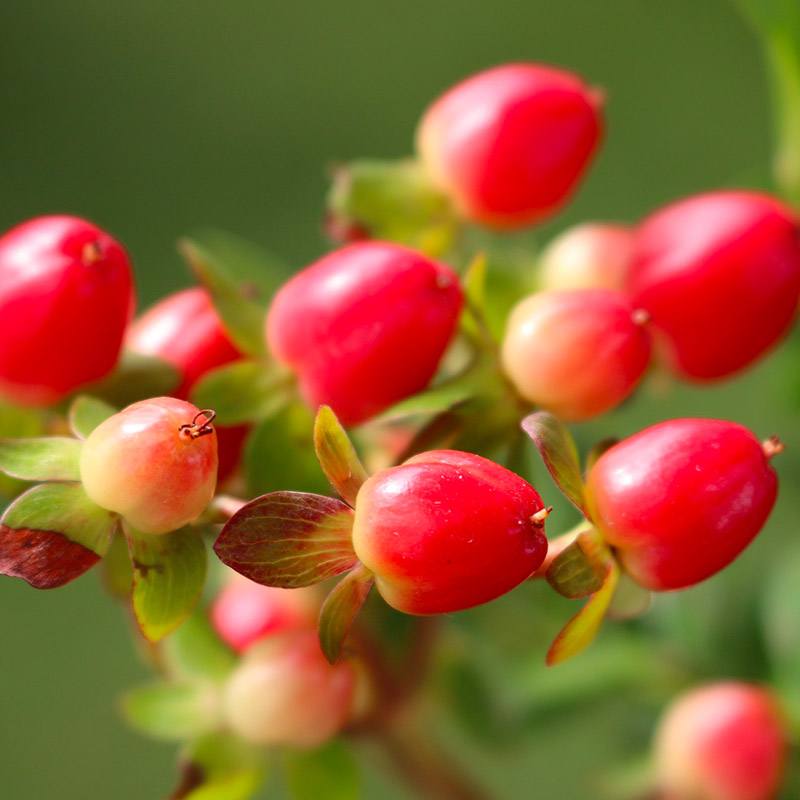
(719, 274)
(725, 741)
(596, 255)
(448, 530)
(576, 353)
(681, 499)
(185, 330)
(365, 326)
(509, 144)
(284, 692)
(66, 296)
(154, 463)
(245, 612)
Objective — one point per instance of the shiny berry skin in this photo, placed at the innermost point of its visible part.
(723, 741)
(245, 612)
(185, 330)
(365, 326)
(284, 692)
(576, 353)
(66, 296)
(681, 499)
(142, 464)
(595, 255)
(509, 144)
(447, 530)
(719, 274)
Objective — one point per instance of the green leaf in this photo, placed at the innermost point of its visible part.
(137, 377)
(630, 600)
(171, 711)
(241, 278)
(580, 569)
(328, 772)
(598, 450)
(340, 609)
(337, 456)
(474, 322)
(53, 533)
(86, 413)
(582, 628)
(219, 767)
(116, 569)
(168, 575)
(47, 458)
(244, 391)
(559, 453)
(18, 423)
(195, 651)
(436, 400)
(289, 539)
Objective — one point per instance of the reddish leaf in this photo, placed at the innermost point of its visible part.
(340, 609)
(289, 539)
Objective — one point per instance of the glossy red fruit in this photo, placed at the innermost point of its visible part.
(724, 741)
(185, 330)
(154, 463)
(681, 499)
(284, 692)
(576, 353)
(509, 144)
(595, 255)
(66, 296)
(719, 274)
(448, 530)
(245, 612)
(365, 326)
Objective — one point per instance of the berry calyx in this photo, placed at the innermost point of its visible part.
(154, 463)
(284, 692)
(576, 353)
(448, 530)
(724, 741)
(509, 144)
(680, 500)
(365, 326)
(719, 274)
(66, 296)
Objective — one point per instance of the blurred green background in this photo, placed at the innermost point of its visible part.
(154, 119)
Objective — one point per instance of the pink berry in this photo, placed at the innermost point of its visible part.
(596, 255)
(724, 741)
(719, 274)
(185, 330)
(509, 144)
(245, 612)
(576, 353)
(448, 530)
(154, 463)
(284, 692)
(681, 499)
(66, 296)
(365, 326)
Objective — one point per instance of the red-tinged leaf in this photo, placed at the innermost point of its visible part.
(289, 539)
(580, 569)
(582, 629)
(340, 609)
(52, 534)
(337, 456)
(559, 453)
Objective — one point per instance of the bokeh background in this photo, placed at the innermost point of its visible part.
(155, 119)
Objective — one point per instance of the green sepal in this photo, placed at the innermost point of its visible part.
(337, 455)
(340, 610)
(329, 772)
(136, 377)
(45, 458)
(580, 568)
(86, 413)
(195, 651)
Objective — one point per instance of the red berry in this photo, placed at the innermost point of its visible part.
(719, 274)
(576, 353)
(448, 530)
(153, 463)
(509, 144)
(365, 326)
(185, 330)
(284, 692)
(66, 296)
(245, 612)
(596, 255)
(681, 499)
(725, 741)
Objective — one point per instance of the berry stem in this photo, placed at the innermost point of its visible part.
(772, 447)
